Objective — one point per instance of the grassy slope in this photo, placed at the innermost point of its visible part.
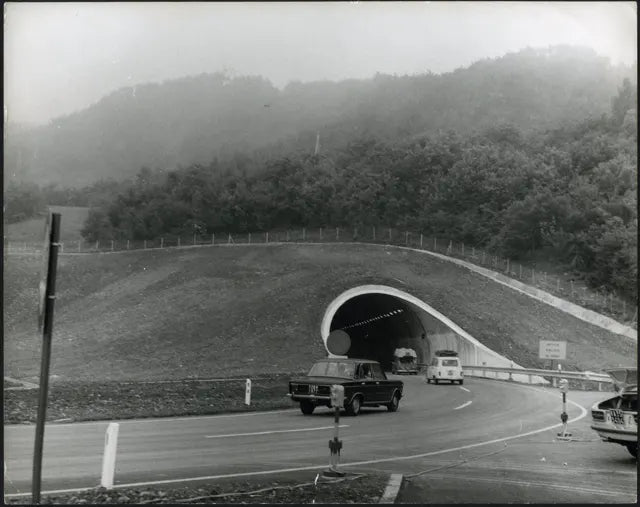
(72, 220)
(207, 312)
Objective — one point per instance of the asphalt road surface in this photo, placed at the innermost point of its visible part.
(485, 441)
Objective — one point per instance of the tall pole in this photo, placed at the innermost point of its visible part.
(50, 296)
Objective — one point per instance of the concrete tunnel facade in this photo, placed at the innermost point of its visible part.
(380, 318)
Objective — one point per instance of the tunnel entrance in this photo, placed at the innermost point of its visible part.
(378, 324)
(379, 319)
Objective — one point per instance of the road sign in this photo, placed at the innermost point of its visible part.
(553, 350)
(338, 342)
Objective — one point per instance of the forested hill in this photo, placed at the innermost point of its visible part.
(197, 119)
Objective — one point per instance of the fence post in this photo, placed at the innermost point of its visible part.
(161, 243)
(337, 234)
(304, 234)
(178, 241)
(79, 245)
(287, 234)
(229, 239)
(97, 243)
(389, 234)
(127, 244)
(249, 238)
(145, 244)
(194, 239)
(213, 238)
(406, 238)
(483, 255)
(420, 240)
(435, 240)
(450, 247)
(266, 237)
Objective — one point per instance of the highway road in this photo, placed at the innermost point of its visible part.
(498, 428)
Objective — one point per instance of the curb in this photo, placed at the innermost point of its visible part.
(392, 489)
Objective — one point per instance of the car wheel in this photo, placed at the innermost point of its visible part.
(307, 407)
(436, 380)
(428, 380)
(395, 402)
(393, 371)
(461, 381)
(353, 408)
(633, 449)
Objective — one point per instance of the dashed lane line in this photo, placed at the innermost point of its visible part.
(463, 405)
(275, 431)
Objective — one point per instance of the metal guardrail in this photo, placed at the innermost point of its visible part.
(584, 376)
(575, 375)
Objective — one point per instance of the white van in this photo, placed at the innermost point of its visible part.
(445, 366)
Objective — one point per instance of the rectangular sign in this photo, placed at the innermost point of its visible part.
(553, 350)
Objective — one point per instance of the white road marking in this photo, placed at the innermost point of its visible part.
(463, 405)
(275, 431)
(583, 413)
(464, 389)
(398, 280)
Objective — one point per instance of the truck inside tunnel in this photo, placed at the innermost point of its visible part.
(377, 324)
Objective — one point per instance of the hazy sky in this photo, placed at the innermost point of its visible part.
(61, 57)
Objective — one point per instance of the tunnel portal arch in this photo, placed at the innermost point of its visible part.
(379, 318)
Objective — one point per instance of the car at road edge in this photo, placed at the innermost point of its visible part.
(616, 419)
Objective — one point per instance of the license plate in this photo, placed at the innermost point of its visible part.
(450, 373)
(617, 416)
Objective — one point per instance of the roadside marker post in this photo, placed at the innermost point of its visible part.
(247, 393)
(337, 402)
(109, 457)
(564, 387)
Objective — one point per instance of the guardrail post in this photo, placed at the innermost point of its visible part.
(304, 234)
(266, 237)
(249, 238)
(178, 241)
(213, 238)
(511, 373)
(420, 240)
(127, 244)
(145, 244)
(161, 243)
(320, 233)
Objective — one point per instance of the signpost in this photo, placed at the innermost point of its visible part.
(564, 388)
(47, 289)
(337, 402)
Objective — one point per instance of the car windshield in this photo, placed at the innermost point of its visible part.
(449, 362)
(332, 369)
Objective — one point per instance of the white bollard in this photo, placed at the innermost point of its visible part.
(109, 458)
(247, 393)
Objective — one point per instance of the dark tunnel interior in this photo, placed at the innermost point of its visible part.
(378, 324)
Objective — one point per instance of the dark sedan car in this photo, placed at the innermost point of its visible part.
(364, 382)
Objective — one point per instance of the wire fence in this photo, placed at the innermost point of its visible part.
(565, 287)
